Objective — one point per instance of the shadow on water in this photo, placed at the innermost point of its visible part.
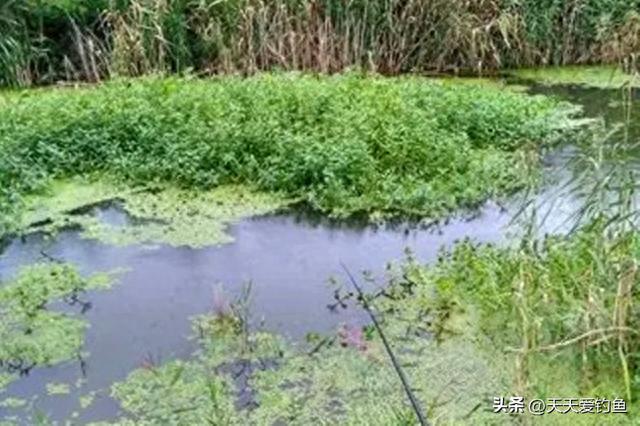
(288, 257)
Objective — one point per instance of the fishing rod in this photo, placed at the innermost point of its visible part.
(396, 365)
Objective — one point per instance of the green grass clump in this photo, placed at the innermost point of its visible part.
(344, 144)
(562, 309)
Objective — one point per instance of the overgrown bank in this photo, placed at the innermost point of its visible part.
(49, 40)
(343, 144)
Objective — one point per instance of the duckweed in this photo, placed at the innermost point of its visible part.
(30, 333)
(58, 388)
(605, 77)
(166, 215)
(13, 403)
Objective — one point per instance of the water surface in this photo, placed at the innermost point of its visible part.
(288, 258)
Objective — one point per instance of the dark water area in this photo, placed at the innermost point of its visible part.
(288, 258)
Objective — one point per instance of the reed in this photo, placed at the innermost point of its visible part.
(134, 37)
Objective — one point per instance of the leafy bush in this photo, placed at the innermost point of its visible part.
(344, 144)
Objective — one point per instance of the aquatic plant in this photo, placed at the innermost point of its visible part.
(606, 77)
(30, 333)
(156, 215)
(221, 304)
(58, 388)
(343, 144)
(177, 393)
(332, 384)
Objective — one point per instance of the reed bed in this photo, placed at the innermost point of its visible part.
(46, 41)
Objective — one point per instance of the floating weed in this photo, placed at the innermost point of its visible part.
(605, 77)
(64, 197)
(58, 388)
(177, 393)
(86, 400)
(30, 333)
(160, 216)
(13, 403)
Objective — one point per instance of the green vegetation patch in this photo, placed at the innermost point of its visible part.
(561, 309)
(177, 393)
(55, 202)
(345, 379)
(58, 388)
(167, 215)
(196, 392)
(13, 403)
(343, 144)
(30, 333)
(5, 380)
(605, 77)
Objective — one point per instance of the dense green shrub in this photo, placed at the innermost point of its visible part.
(344, 144)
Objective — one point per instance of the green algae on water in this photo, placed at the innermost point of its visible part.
(604, 77)
(30, 333)
(63, 197)
(86, 400)
(13, 403)
(185, 217)
(58, 388)
(178, 393)
(5, 380)
(169, 215)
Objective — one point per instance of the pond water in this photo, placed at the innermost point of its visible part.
(288, 258)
